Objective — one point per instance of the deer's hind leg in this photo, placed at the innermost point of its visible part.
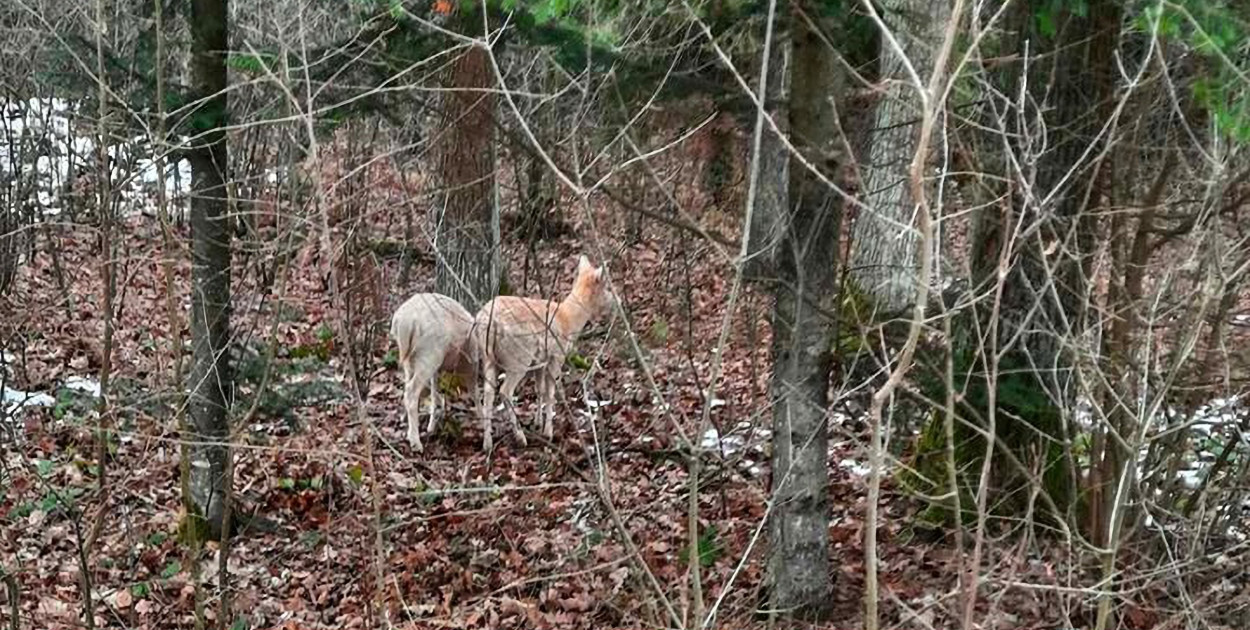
(487, 408)
(420, 375)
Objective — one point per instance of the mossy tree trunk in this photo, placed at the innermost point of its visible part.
(1040, 315)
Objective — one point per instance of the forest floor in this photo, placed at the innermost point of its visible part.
(522, 538)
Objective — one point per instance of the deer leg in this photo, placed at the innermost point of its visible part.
(551, 386)
(508, 389)
(487, 408)
(435, 403)
(412, 404)
(423, 371)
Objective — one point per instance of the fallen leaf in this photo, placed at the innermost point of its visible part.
(123, 598)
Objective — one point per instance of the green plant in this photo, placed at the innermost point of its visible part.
(391, 360)
(710, 548)
(657, 334)
(577, 361)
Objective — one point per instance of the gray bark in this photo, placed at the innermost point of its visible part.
(883, 253)
(467, 232)
(772, 198)
(211, 379)
(805, 259)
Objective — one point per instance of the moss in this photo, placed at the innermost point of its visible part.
(1027, 424)
(193, 529)
(855, 308)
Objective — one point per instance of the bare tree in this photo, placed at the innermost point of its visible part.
(211, 382)
(805, 262)
(467, 232)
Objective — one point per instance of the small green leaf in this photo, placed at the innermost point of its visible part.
(156, 539)
(247, 62)
(21, 511)
(49, 502)
(356, 474)
(140, 590)
(44, 467)
(578, 361)
(325, 334)
(171, 569)
(709, 548)
(311, 539)
(286, 483)
(1046, 23)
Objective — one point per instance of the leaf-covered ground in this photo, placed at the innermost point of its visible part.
(536, 537)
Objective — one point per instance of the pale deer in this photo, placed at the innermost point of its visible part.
(432, 332)
(517, 336)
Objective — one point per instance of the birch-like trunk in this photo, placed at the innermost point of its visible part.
(883, 247)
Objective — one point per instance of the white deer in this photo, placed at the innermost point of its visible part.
(432, 331)
(518, 335)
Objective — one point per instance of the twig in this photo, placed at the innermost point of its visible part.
(933, 97)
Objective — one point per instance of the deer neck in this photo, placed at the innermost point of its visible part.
(572, 316)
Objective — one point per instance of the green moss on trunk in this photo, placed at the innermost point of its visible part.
(1027, 429)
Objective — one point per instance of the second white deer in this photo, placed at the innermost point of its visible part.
(432, 332)
(518, 335)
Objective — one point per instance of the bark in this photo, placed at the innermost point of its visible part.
(883, 252)
(772, 197)
(467, 233)
(806, 224)
(210, 379)
(1047, 284)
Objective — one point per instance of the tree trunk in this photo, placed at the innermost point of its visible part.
(806, 224)
(772, 197)
(467, 233)
(1047, 284)
(883, 250)
(211, 379)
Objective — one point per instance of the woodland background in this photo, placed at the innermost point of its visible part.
(932, 312)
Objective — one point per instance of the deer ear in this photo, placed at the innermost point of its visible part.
(583, 264)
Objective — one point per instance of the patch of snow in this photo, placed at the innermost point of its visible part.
(44, 148)
(840, 419)
(83, 384)
(1084, 416)
(597, 404)
(741, 438)
(856, 468)
(1191, 477)
(16, 400)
